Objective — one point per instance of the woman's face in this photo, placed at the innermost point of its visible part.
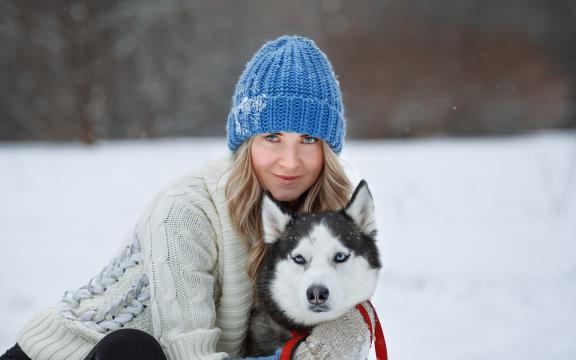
(286, 164)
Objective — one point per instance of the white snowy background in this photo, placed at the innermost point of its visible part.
(478, 236)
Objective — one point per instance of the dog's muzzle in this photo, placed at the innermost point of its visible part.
(319, 308)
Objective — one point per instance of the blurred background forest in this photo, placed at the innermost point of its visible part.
(108, 69)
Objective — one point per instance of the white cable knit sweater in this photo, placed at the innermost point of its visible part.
(179, 276)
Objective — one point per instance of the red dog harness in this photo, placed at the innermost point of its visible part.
(379, 342)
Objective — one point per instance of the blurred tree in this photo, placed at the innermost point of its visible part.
(85, 70)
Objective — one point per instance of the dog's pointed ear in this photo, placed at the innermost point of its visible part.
(361, 209)
(274, 220)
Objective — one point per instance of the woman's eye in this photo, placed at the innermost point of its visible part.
(340, 257)
(271, 138)
(309, 140)
(299, 259)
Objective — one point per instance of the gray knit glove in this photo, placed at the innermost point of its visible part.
(346, 338)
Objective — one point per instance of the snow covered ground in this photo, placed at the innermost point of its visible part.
(478, 236)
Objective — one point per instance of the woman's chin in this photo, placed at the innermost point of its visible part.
(286, 196)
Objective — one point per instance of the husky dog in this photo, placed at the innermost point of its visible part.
(317, 267)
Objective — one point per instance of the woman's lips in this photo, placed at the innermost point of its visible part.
(287, 179)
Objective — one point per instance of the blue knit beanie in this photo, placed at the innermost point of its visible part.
(288, 86)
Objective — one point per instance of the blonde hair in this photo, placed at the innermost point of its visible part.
(331, 191)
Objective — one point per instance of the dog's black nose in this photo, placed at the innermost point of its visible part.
(317, 294)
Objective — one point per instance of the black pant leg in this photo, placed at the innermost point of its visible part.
(127, 344)
(14, 353)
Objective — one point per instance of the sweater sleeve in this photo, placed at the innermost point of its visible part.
(347, 337)
(180, 246)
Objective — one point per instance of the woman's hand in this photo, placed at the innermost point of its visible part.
(347, 337)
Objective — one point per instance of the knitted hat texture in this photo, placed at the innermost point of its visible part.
(287, 86)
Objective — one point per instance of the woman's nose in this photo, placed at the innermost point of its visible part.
(289, 158)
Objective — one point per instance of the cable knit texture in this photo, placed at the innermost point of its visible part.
(181, 277)
(288, 86)
(186, 246)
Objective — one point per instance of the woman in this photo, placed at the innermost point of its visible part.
(185, 275)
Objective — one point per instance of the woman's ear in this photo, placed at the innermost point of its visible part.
(361, 209)
(274, 220)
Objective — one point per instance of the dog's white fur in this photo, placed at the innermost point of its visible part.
(349, 283)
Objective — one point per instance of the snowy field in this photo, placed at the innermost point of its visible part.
(478, 236)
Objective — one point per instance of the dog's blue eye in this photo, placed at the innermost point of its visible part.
(340, 257)
(299, 259)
